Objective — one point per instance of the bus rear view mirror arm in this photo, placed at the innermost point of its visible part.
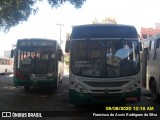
(59, 54)
(12, 53)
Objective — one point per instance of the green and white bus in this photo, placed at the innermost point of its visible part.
(151, 66)
(37, 62)
(104, 64)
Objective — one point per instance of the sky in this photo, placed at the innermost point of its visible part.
(139, 13)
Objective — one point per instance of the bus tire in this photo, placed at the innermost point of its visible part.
(60, 79)
(154, 92)
(27, 87)
(57, 83)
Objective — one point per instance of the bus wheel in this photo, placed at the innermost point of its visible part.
(154, 92)
(26, 87)
(60, 79)
(56, 84)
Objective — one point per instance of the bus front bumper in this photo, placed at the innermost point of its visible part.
(51, 83)
(77, 98)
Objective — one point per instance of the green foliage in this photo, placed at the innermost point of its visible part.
(68, 36)
(66, 59)
(57, 3)
(107, 20)
(95, 21)
(13, 12)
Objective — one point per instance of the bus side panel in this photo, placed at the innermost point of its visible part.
(157, 57)
(6, 69)
(61, 68)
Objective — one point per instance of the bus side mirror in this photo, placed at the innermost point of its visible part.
(60, 53)
(12, 53)
(140, 46)
(67, 47)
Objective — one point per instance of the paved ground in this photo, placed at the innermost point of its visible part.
(37, 99)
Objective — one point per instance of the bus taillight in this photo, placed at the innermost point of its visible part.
(20, 76)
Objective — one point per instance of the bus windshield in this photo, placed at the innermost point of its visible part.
(105, 58)
(36, 60)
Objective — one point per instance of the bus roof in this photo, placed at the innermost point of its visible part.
(35, 39)
(4, 58)
(153, 37)
(36, 42)
(104, 31)
(103, 25)
(146, 42)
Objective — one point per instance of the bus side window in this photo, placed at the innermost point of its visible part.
(158, 43)
(157, 54)
(152, 45)
(152, 50)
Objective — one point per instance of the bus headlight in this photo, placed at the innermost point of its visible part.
(81, 89)
(77, 87)
(131, 88)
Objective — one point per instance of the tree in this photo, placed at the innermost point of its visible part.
(95, 21)
(68, 36)
(108, 20)
(66, 59)
(13, 12)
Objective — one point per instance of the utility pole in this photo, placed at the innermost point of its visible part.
(60, 25)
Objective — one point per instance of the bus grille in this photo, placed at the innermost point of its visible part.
(106, 84)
